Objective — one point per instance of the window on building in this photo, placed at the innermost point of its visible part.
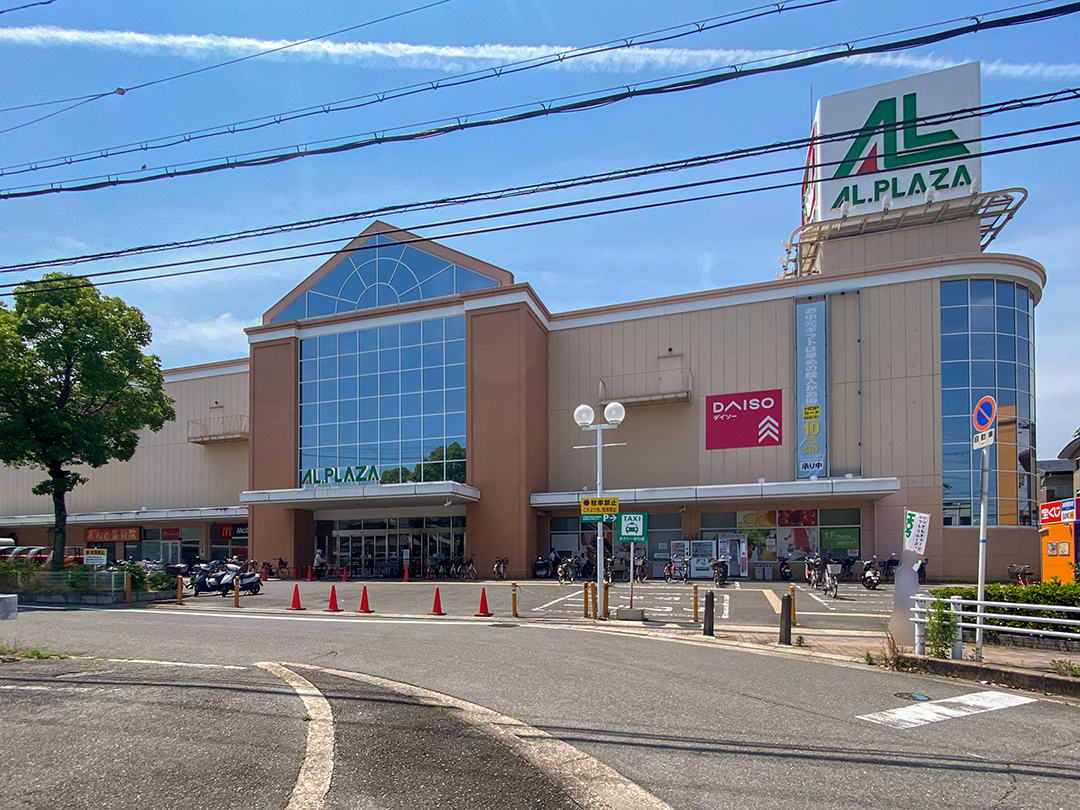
(387, 400)
(382, 273)
(987, 328)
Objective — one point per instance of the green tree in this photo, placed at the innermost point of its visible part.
(75, 386)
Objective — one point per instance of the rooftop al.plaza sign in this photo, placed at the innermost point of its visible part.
(893, 156)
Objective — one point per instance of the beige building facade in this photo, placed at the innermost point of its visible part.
(408, 403)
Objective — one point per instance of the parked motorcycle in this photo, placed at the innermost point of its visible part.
(785, 568)
(566, 570)
(847, 569)
(920, 569)
(871, 576)
(541, 568)
(815, 571)
(888, 572)
(719, 567)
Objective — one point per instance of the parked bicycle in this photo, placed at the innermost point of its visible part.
(719, 567)
(831, 582)
(677, 570)
(814, 571)
(566, 570)
(281, 570)
(1022, 575)
(466, 569)
(499, 571)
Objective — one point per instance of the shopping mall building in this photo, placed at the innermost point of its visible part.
(407, 402)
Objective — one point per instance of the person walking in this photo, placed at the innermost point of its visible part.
(320, 564)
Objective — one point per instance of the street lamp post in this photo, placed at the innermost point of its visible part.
(614, 413)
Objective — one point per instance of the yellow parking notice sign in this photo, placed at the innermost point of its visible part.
(599, 506)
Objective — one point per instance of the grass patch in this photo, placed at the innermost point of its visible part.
(31, 653)
(1063, 667)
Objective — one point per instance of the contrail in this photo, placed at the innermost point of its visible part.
(454, 59)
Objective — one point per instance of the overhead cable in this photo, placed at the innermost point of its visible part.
(645, 89)
(383, 96)
(43, 285)
(986, 110)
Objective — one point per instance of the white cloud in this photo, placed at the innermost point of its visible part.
(469, 57)
(222, 337)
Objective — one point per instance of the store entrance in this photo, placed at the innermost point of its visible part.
(384, 554)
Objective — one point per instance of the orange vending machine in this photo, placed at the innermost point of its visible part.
(1057, 522)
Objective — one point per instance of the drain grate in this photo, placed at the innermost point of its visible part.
(504, 624)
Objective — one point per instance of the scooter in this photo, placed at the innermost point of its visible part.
(920, 568)
(249, 581)
(785, 568)
(871, 577)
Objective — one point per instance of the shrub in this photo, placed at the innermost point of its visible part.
(1053, 592)
(940, 629)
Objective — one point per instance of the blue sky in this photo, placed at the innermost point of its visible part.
(70, 48)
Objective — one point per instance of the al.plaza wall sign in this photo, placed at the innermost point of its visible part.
(752, 419)
(902, 144)
(328, 476)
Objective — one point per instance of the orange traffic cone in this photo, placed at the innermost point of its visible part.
(483, 604)
(406, 573)
(296, 598)
(344, 574)
(309, 573)
(333, 601)
(436, 609)
(363, 603)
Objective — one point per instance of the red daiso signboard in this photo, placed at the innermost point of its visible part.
(753, 419)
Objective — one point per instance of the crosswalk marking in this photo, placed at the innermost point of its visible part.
(919, 714)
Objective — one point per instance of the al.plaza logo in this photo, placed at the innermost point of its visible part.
(918, 148)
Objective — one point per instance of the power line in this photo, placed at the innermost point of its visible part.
(28, 5)
(42, 286)
(986, 110)
(383, 96)
(121, 91)
(298, 151)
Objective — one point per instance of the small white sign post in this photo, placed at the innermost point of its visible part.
(983, 420)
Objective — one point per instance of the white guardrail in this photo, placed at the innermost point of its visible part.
(972, 614)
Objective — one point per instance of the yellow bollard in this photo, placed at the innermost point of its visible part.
(513, 599)
(592, 588)
(585, 600)
(607, 585)
(179, 590)
(695, 603)
(236, 591)
(791, 590)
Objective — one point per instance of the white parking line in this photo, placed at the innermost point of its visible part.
(727, 607)
(919, 714)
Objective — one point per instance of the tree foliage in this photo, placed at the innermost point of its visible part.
(75, 385)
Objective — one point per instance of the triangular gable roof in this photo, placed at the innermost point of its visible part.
(391, 238)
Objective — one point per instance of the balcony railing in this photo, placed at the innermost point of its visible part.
(218, 429)
(647, 387)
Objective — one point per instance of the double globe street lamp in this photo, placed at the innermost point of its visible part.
(614, 413)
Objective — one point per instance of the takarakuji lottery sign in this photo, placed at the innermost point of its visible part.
(894, 145)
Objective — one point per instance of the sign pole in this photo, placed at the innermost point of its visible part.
(600, 522)
(984, 494)
(983, 420)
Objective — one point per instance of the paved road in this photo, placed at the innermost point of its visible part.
(695, 723)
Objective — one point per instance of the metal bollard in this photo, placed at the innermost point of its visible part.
(920, 628)
(785, 619)
(179, 590)
(710, 614)
(791, 592)
(585, 600)
(695, 603)
(592, 590)
(607, 586)
(236, 591)
(958, 639)
(513, 599)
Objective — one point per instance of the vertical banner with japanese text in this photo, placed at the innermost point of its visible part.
(811, 389)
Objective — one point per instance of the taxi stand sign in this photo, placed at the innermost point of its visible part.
(632, 527)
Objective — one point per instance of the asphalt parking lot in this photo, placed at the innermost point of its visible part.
(739, 602)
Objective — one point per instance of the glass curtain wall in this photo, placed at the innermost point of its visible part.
(391, 397)
(987, 329)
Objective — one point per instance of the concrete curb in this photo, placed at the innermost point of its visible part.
(1030, 680)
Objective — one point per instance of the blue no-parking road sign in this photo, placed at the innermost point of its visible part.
(985, 411)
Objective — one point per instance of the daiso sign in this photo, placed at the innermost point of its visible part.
(751, 419)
